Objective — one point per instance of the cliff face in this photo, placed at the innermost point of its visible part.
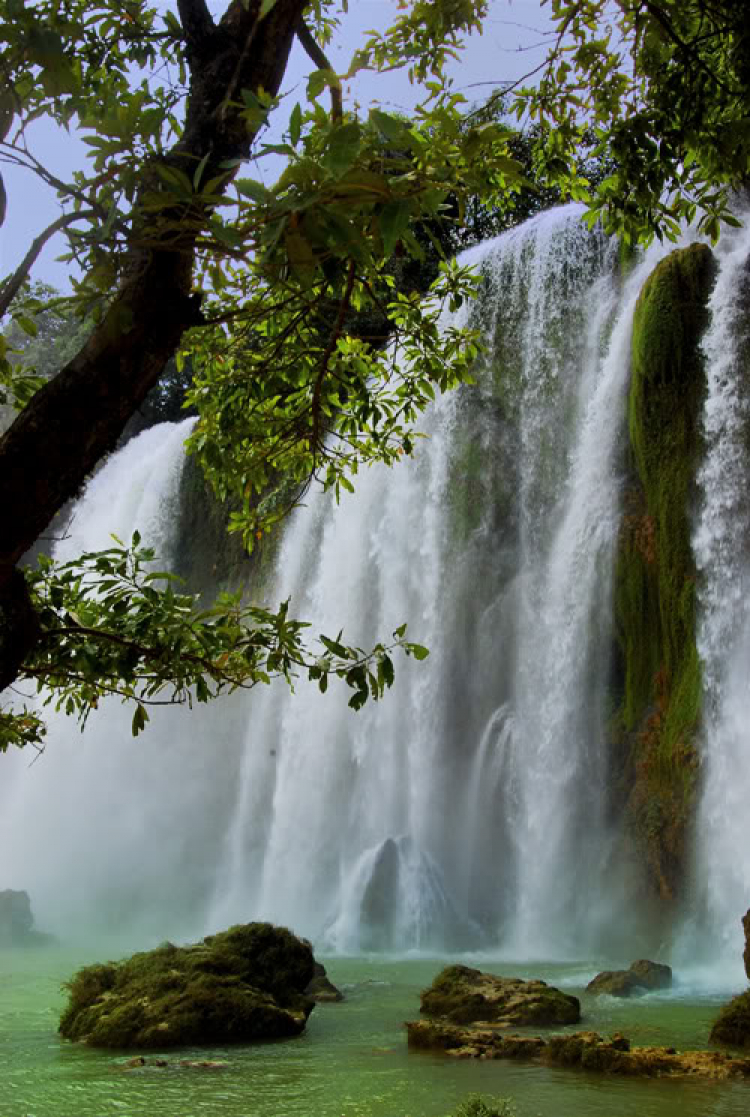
(658, 681)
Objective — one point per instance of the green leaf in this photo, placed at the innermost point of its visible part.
(295, 124)
(418, 651)
(140, 717)
(393, 221)
(343, 148)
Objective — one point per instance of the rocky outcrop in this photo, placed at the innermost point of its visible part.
(17, 921)
(461, 995)
(658, 666)
(642, 977)
(321, 988)
(239, 986)
(584, 1050)
(732, 1026)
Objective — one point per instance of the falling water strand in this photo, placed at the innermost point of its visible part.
(720, 542)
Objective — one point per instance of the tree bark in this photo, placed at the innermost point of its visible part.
(73, 421)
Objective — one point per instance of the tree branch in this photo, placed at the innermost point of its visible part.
(315, 52)
(198, 25)
(14, 283)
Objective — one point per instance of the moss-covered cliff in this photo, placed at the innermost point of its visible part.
(659, 680)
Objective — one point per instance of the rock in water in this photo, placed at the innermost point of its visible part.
(746, 953)
(17, 921)
(239, 986)
(463, 995)
(642, 977)
(732, 1025)
(321, 988)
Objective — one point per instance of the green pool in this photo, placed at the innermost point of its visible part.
(353, 1060)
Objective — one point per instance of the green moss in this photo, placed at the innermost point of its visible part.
(655, 576)
(733, 1022)
(244, 984)
(462, 995)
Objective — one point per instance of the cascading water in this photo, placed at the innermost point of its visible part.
(468, 804)
(722, 550)
(111, 833)
(468, 808)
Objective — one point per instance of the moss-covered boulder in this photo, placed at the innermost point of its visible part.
(658, 684)
(242, 985)
(732, 1025)
(463, 995)
(642, 977)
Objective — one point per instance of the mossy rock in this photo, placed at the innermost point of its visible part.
(732, 1025)
(462, 995)
(642, 977)
(659, 685)
(243, 985)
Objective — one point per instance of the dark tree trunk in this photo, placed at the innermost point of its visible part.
(76, 419)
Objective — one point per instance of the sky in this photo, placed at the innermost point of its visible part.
(511, 45)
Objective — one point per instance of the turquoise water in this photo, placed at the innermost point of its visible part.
(352, 1062)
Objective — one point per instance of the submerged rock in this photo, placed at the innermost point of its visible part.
(462, 995)
(321, 988)
(242, 985)
(642, 977)
(583, 1050)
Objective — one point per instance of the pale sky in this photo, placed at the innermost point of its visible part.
(511, 45)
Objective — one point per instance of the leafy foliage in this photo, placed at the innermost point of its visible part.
(112, 625)
(664, 84)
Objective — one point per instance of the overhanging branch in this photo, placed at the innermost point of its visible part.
(316, 54)
(15, 282)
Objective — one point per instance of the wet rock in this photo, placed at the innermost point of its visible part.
(242, 985)
(470, 1042)
(321, 988)
(746, 953)
(463, 995)
(652, 975)
(580, 1050)
(642, 977)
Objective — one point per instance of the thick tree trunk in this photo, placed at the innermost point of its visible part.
(56, 441)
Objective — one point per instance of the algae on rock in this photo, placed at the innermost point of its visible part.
(460, 994)
(243, 985)
(659, 672)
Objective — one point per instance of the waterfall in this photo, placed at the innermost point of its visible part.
(466, 810)
(469, 804)
(722, 550)
(106, 832)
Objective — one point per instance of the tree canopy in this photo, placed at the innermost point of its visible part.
(180, 253)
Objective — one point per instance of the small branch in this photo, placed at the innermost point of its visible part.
(335, 335)
(317, 55)
(15, 282)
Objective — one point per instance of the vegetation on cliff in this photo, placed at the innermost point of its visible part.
(655, 575)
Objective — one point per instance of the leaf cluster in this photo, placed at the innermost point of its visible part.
(665, 87)
(114, 626)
